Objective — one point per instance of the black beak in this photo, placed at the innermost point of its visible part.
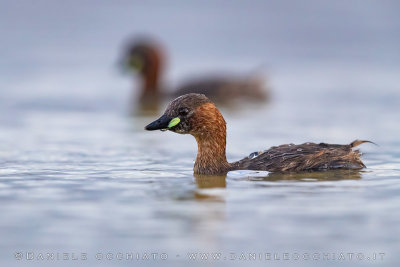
(159, 124)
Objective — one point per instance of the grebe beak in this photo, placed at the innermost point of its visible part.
(162, 123)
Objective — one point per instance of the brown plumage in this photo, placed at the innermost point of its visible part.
(195, 114)
(307, 156)
(147, 58)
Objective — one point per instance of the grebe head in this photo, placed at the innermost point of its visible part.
(143, 57)
(191, 114)
(195, 114)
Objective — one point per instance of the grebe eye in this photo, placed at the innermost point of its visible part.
(183, 111)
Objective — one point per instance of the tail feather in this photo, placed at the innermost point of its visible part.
(359, 142)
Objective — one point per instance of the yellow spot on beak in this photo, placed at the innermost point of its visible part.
(174, 122)
(136, 63)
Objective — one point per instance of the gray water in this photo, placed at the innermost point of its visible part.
(79, 175)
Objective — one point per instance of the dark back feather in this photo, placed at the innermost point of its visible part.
(304, 157)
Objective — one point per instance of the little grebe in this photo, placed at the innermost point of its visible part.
(195, 114)
(146, 58)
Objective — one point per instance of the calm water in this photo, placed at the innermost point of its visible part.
(79, 175)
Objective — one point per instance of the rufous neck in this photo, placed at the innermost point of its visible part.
(211, 143)
(150, 82)
(151, 73)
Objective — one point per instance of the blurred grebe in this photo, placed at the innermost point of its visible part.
(146, 58)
